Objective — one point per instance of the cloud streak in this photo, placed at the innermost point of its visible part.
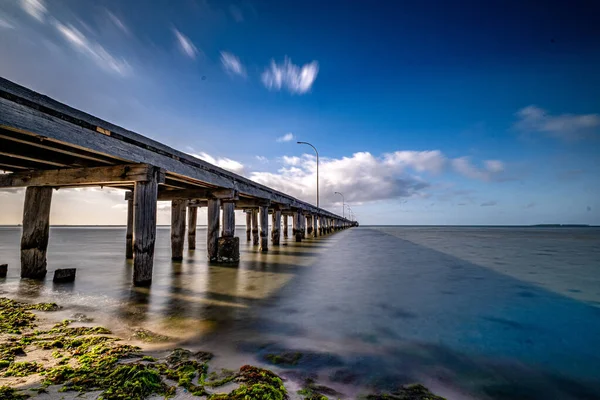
(185, 44)
(35, 8)
(296, 79)
(568, 127)
(232, 64)
(288, 137)
(492, 169)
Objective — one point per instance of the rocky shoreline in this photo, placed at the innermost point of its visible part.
(75, 357)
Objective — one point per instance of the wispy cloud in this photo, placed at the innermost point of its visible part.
(185, 44)
(288, 137)
(223, 162)
(488, 204)
(118, 23)
(6, 24)
(430, 161)
(563, 126)
(294, 78)
(36, 8)
(262, 159)
(232, 64)
(491, 170)
(91, 49)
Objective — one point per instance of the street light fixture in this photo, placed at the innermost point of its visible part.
(315, 149)
(343, 205)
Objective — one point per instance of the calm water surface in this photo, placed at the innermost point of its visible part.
(498, 313)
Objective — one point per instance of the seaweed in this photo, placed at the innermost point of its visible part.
(8, 393)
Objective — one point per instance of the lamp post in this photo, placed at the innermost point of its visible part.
(343, 205)
(315, 149)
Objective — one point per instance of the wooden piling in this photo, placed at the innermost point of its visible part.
(212, 228)
(145, 196)
(275, 227)
(309, 225)
(255, 240)
(191, 228)
(248, 225)
(315, 229)
(285, 226)
(178, 208)
(228, 244)
(264, 228)
(298, 225)
(129, 231)
(36, 232)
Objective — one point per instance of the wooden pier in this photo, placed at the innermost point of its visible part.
(45, 144)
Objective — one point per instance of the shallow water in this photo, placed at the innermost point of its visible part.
(499, 313)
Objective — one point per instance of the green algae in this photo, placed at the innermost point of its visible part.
(284, 359)
(217, 379)
(9, 350)
(414, 391)
(147, 336)
(256, 383)
(24, 368)
(8, 393)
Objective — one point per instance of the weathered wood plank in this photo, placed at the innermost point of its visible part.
(264, 228)
(212, 228)
(228, 219)
(144, 228)
(192, 220)
(36, 232)
(200, 193)
(77, 176)
(129, 231)
(178, 208)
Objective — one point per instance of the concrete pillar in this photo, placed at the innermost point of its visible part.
(285, 226)
(212, 229)
(129, 231)
(178, 208)
(255, 240)
(36, 232)
(145, 196)
(248, 224)
(275, 227)
(191, 228)
(228, 245)
(264, 228)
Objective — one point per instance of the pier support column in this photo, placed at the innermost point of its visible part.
(309, 225)
(229, 245)
(192, 220)
(178, 208)
(264, 228)
(315, 229)
(36, 231)
(276, 226)
(248, 224)
(255, 240)
(212, 229)
(303, 226)
(285, 226)
(129, 231)
(298, 225)
(145, 196)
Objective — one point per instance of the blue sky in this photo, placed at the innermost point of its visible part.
(427, 112)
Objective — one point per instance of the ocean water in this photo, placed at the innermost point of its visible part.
(472, 312)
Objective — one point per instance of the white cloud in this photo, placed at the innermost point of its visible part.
(6, 24)
(491, 169)
(262, 159)
(93, 50)
(36, 8)
(429, 161)
(563, 126)
(185, 44)
(223, 162)
(232, 64)
(288, 137)
(292, 77)
(118, 22)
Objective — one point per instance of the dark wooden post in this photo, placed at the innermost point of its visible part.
(285, 226)
(212, 229)
(264, 228)
(178, 208)
(192, 222)
(129, 231)
(303, 226)
(248, 224)
(298, 225)
(36, 231)
(315, 228)
(309, 226)
(229, 245)
(276, 226)
(255, 227)
(145, 196)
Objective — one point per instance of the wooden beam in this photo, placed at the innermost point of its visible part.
(248, 224)
(255, 227)
(36, 231)
(285, 226)
(315, 228)
(129, 231)
(212, 229)
(200, 193)
(276, 227)
(264, 228)
(192, 219)
(81, 176)
(144, 228)
(178, 208)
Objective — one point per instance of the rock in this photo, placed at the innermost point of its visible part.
(64, 275)
(3, 270)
